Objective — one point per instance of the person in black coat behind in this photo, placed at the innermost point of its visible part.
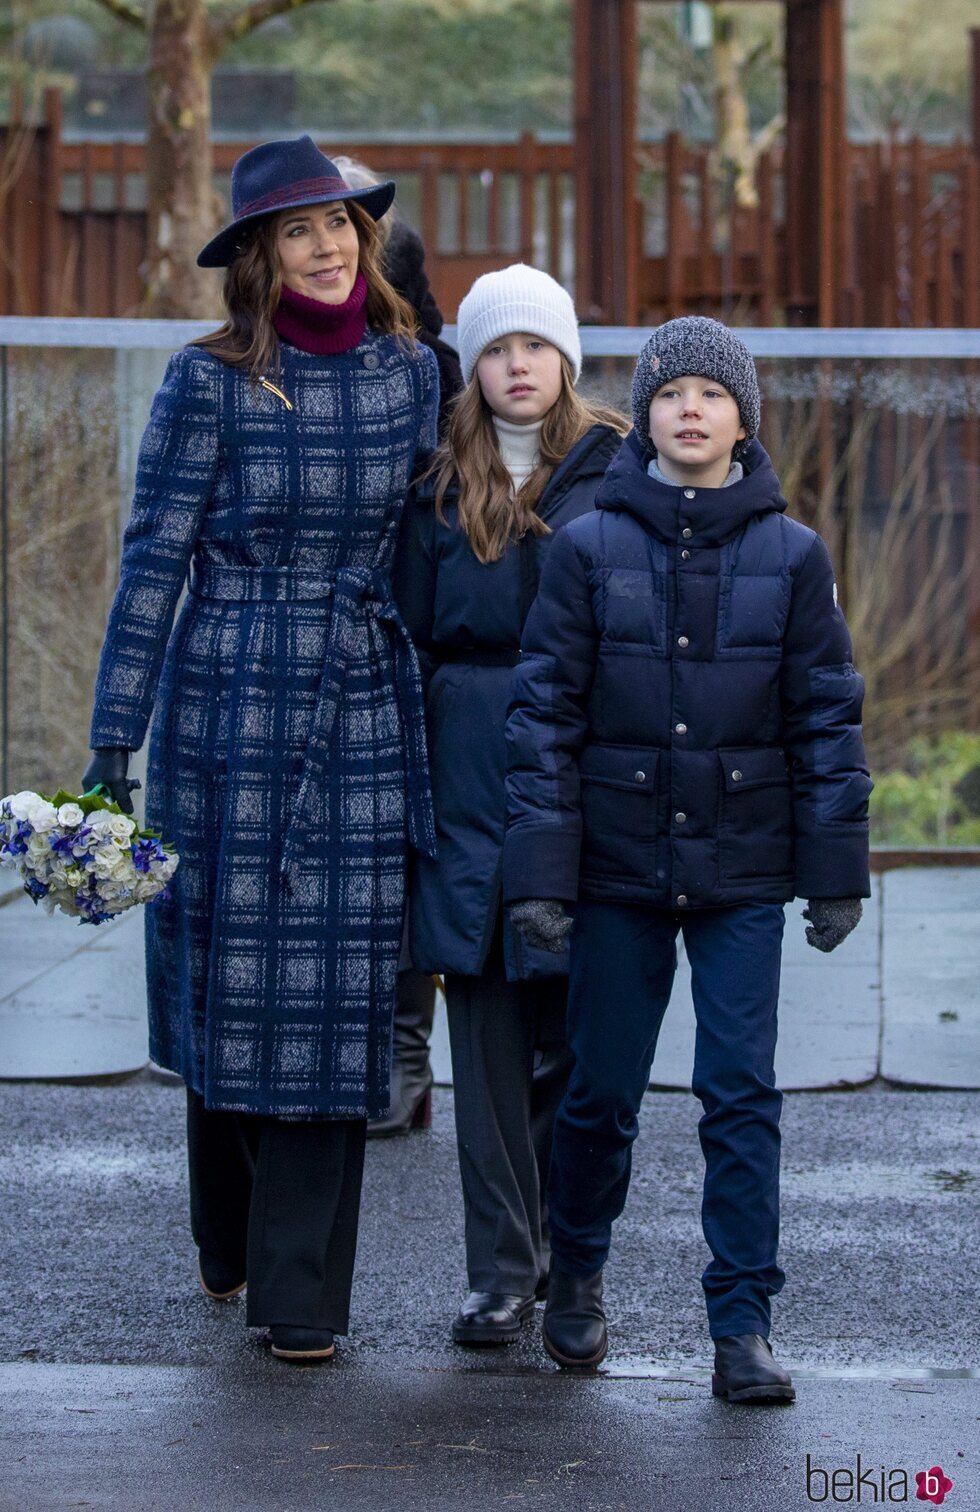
(523, 456)
(415, 995)
(685, 754)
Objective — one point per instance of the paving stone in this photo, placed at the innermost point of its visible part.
(74, 1000)
(931, 977)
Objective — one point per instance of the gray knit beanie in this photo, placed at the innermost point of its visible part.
(518, 298)
(696, 347)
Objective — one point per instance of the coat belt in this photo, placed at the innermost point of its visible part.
(351, 591)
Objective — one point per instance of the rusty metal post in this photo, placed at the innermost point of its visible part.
(816, 191)
(606, 239)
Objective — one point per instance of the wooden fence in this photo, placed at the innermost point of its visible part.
(72, 226)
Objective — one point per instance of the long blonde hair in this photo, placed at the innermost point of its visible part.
(490, 512)
(253, 283)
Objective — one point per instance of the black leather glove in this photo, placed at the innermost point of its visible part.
(832, 920)
(541, 922)
(109, 766)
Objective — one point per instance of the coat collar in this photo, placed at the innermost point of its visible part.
(714, 515)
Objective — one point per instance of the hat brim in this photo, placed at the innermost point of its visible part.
(222, 249)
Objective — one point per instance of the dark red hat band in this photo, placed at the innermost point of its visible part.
(288, 194)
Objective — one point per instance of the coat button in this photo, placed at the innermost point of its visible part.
(680, 818)
(687, 532)
(682, 640)
(370, 359)
(736, 775)
(689, 493)
(685, 556)
(680, 729)
(639, 776)
(682, 900)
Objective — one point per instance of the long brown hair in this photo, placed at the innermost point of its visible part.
(491, 514)
(253, 283)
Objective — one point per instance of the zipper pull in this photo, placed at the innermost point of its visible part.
(264, 383)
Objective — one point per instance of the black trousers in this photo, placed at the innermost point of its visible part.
(278, 1201)
(510, 1064)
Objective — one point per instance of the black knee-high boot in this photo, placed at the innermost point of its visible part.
(411, 1073)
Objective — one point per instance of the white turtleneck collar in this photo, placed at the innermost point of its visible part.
(518, 448)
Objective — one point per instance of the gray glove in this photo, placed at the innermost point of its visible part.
(541, 922)
(832, 920)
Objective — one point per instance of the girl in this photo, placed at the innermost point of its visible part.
(523, 455)
(287, 762)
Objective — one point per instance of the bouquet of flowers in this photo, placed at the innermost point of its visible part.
(83, 855)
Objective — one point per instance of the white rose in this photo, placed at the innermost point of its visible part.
(70, 815)
(20, 803)
(121, 826)
(74, 877)
(100, 821)
(42, 815)
(106, 862)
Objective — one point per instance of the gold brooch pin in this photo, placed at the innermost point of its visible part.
(264, 383)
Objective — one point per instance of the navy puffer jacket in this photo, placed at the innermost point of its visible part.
(685, 728)
(466, 619)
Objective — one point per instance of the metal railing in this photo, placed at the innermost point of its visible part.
(597, 341)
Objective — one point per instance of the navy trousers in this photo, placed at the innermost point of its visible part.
(623, 963)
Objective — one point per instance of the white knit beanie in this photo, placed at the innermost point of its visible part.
(518, 298)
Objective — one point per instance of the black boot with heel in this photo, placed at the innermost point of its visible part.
(411, 1073)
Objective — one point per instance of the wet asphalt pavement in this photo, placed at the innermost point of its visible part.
(125, 1388)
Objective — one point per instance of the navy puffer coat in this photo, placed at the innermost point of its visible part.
(686, 722)
(466, 619)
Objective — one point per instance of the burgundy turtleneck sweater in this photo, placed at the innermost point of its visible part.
(319, 328)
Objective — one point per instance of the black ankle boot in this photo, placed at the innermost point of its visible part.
(745, 1371)
(411, 1074)
(574, 1329)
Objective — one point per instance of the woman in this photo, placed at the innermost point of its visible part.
(287, 761)
(523, 456)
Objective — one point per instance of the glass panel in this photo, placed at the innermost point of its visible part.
(135, 191)
(881, 456)
(478, 211)
(447, 239)
(103, 192)
(71, 191)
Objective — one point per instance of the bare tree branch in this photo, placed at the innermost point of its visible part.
(123, 11)
(233, 28)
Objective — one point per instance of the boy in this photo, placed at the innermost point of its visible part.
(685, 753)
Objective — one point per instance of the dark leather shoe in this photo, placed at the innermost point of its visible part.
(745, 1371)
(491, 1318)
(574, 1329)
(220, 1282)
(290, 1342)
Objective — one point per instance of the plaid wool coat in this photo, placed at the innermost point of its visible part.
(287, 758)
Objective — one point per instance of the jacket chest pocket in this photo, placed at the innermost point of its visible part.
(755, 830)
(752, 611)
(619, 812)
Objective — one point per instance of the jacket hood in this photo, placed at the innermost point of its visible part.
(588, 458)
(714, 515)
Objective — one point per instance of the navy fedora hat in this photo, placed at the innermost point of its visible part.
(277, 176)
